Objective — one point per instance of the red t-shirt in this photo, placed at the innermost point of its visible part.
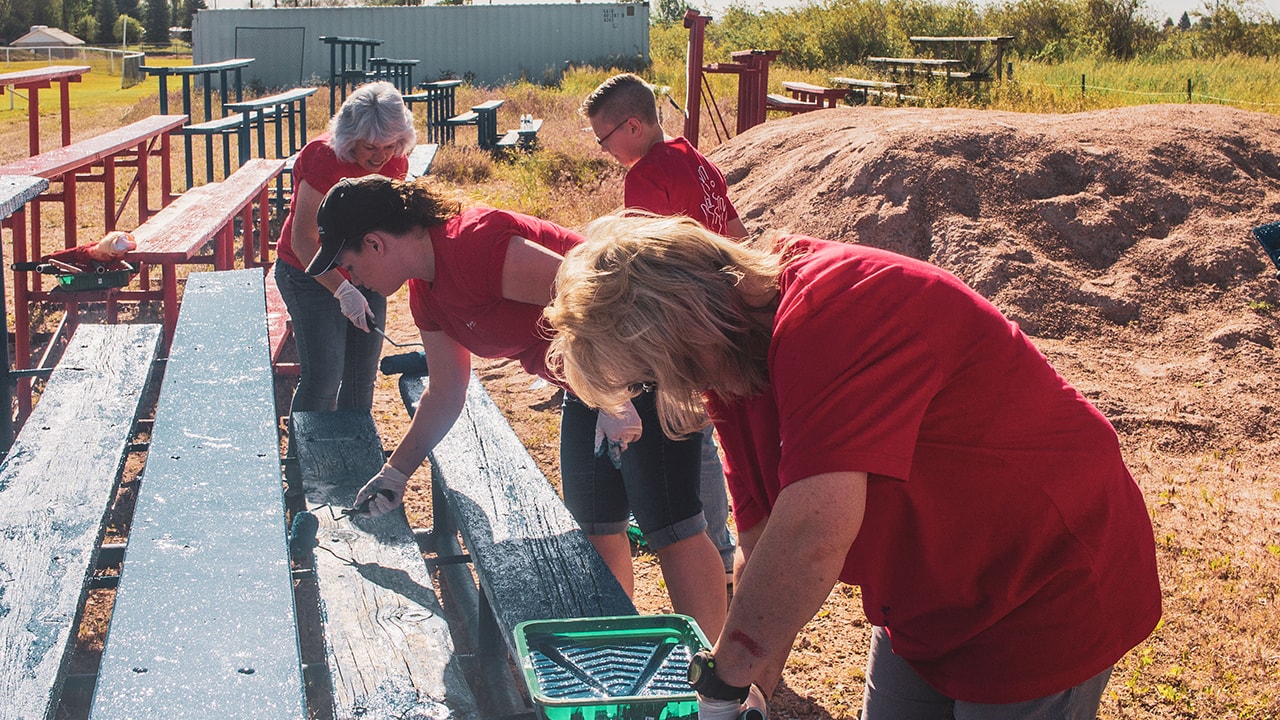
(321, 168)
(1005, 546)
(465, 299)
(673, 178)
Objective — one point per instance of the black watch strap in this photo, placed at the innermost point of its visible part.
(703, 678)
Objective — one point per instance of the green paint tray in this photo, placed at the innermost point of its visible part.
(632, 667)
(100, 278)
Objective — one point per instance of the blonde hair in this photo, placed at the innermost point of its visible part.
(657, 300)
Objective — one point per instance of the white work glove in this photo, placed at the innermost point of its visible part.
(615, 432)
(752, 709)
(382, 494)
(353, 304)
(710, 709)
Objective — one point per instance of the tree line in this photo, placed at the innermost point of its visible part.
(821, 34)
(99, 22)
(836, 33)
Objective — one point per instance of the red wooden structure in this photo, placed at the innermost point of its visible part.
(752, 69)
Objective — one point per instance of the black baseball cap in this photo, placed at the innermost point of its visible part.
(350, 210)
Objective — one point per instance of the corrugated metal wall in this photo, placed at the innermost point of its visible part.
(492, 43)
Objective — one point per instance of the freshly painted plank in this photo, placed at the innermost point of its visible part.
(533, 560)
(56, 484)
(387, 643)
(204, 623)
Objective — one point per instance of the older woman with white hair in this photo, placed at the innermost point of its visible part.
(372, 133)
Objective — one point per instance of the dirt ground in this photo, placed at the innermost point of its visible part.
(1119, 240)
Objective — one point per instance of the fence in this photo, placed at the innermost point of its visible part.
(122, 62)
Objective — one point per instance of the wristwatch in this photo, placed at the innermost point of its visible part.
(702, 676)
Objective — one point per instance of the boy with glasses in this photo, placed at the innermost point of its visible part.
(668, 176)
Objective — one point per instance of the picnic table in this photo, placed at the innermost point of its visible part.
(348, 64)
(230, 84)
(438, 99)
(290, 106)
(970, 50)
(33, 81)
(15, 193)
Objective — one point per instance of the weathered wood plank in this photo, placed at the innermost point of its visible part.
(55, 486)
(204, 623)
(387, 643)
(185, 226)
(533, 560)
(53, 163)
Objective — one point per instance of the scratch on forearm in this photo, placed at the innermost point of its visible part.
(741, 638)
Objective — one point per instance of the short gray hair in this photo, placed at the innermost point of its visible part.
(375, 113)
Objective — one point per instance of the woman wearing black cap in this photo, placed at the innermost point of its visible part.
(478, 281)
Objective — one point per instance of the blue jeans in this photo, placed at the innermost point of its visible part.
(895, 691)
(338, 361)
(658, 481)
(715, 500)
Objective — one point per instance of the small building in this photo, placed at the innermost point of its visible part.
(45, 36)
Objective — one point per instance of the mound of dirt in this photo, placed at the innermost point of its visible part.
(1118, 239)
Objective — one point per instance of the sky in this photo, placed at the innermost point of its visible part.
(1160, 9)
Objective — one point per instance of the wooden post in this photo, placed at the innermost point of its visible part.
(1188, 89)
(697, 25)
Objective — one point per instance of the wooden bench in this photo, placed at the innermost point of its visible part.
(128, 146)
(387, 650)
(289, 106)
(203, 624)
(180, 231)
(225, 127)
(524, 137)
(972, 47)
(279, 328)
(131, 145)
(420, 160)
(863, 90)
(33, 81)
(913, 66)
(485, 117)
(774, 101)
(56, 485)
(823, 97)
(531, 559)
(230, 84)
(15, 192)
(437, 99)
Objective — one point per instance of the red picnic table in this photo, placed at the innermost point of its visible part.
(129, 146)
(35, 80)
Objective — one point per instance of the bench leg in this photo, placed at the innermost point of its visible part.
(264, 225)
(169, 281)
(21, 309)
(108, 193)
